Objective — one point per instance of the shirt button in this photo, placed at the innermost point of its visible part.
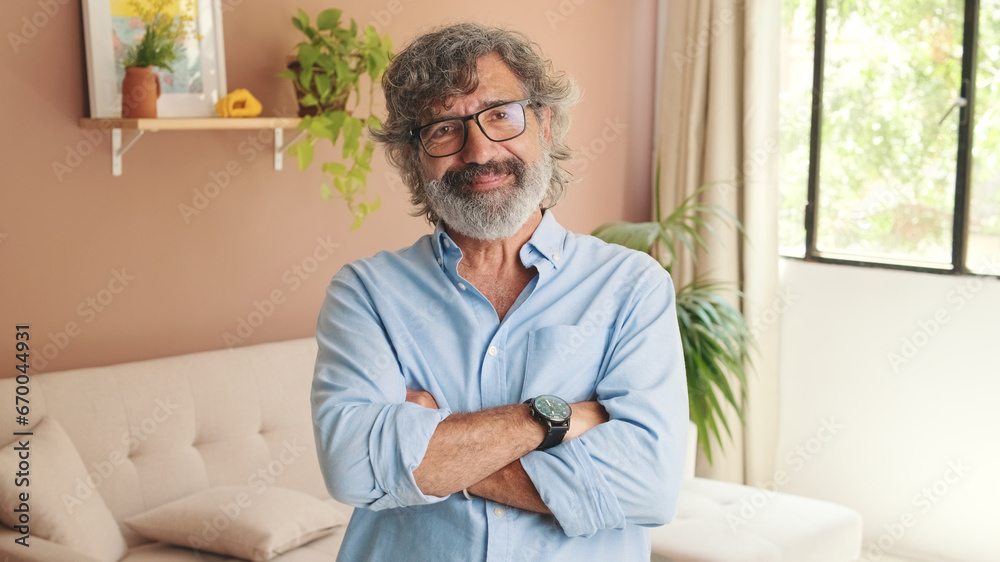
(492, 351)
(498, 512)
(461, 286)
(447, 244)
(439, 261)
(555, 257)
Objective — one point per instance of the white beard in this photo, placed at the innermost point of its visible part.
(495, 214)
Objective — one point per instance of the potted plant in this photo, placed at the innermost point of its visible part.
(328, 67)
(714, 334)
(160, 46)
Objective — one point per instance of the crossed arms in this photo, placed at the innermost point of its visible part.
(481, 451)
(379, 450)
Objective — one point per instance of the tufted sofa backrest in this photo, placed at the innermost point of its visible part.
(150, 432)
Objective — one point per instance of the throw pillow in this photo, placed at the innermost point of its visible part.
(53, 473)
(252, 522)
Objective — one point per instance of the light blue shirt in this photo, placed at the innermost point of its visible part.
(597, 323)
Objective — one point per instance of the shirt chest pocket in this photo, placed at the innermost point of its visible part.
(565, 361)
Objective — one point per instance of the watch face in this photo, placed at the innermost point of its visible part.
(552, 407)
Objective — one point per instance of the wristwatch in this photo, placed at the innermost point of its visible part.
(553, 413)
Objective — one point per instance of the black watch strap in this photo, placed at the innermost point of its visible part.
(554, 432)
(554, 437)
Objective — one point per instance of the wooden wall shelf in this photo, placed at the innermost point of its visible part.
(140, 126)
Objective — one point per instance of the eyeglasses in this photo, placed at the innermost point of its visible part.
(499, 123)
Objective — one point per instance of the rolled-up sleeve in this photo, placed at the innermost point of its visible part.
(369, 440)
(629, 469)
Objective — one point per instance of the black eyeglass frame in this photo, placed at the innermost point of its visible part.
(415, 132)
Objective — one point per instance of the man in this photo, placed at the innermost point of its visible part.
(428, 355)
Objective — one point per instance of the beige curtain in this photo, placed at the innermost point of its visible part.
(718, 123)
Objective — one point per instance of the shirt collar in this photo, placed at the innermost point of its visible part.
(547, 242)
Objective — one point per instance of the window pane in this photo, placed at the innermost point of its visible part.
(984, 212)
(798, 22)
(889, 148)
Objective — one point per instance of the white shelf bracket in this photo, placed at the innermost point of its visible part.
(280, 146)
(117, 150)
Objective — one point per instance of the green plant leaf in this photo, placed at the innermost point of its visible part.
(638, 236)
(378, 61)
(320, 129)
(352, 135)
(307, 56)
(328, 19)
(340, 184)
(335, 169)
(332, 62)
(289, 74)
(357, 176)
(302, 21)
(323, 85)
(325, 62)
(342, 71)
(325, 192)
(335, 122)
(304, 152)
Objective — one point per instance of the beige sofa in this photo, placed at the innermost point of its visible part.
(153, 432)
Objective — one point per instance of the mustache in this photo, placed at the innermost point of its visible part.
(472, 171)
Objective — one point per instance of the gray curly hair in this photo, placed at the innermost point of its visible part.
(442, 64)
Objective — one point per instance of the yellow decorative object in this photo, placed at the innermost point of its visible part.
(239, 103)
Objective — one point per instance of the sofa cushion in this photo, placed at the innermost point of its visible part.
(721, 521)
(252, 522)
(63, 506)
(154, 431)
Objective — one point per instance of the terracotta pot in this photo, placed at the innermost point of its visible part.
(339, 103)
(140, 90)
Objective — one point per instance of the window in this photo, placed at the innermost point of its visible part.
(890, 133)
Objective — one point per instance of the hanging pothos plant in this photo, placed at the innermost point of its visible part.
(328, 67)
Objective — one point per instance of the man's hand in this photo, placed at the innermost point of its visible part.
(421, 398)
(585, 416)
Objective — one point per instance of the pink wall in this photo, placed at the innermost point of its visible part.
(65, 242)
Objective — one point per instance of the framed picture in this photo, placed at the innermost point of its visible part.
(198, 79)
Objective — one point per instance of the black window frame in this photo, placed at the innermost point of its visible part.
(959, 250)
